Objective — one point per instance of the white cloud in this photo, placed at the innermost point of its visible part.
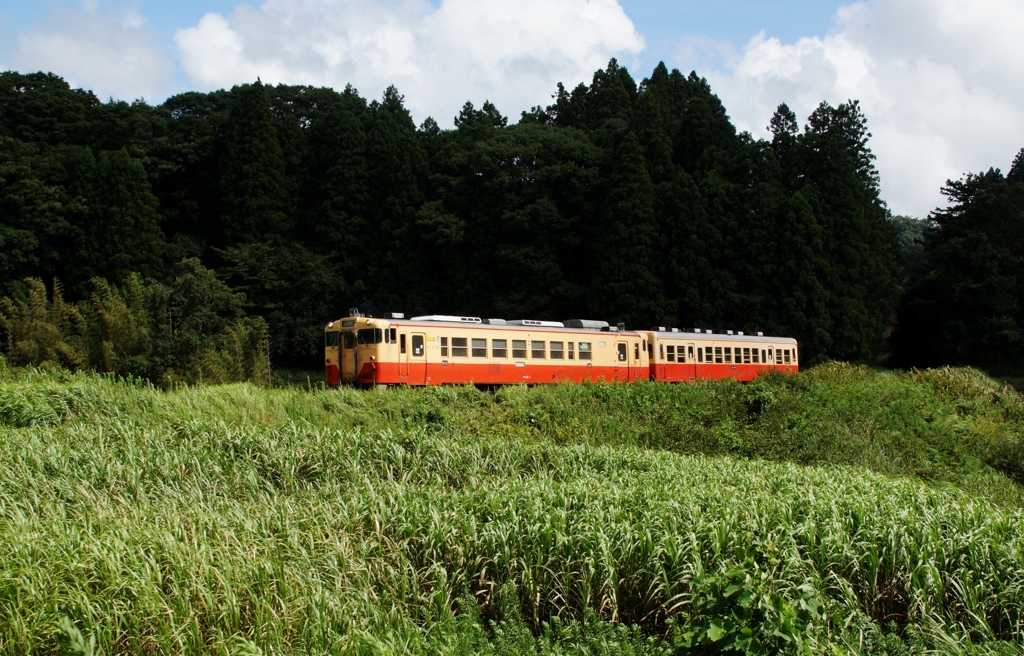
(941, 82)
(511, 52)
(115, 56)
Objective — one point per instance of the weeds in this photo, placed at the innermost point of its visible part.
(571, 519)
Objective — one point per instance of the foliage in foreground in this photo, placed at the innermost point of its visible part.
(236, 519)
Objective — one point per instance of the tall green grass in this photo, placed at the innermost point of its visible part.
(572, 519)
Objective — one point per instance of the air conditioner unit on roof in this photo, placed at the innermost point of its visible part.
(587, 324)
(534, 322)
(448, 317)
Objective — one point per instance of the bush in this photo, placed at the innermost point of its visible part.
(190, 330)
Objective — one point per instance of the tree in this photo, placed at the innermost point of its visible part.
(117, 232)
(43, 331)
(398, 167)
(32, 215)
(255, 196)
(291, 288)
(836, 175)
(625, 286)
(969, 310)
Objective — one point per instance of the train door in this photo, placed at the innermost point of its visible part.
(418, 359)
(691, 363)
(403, 356)
(622, 361)
(348, 357)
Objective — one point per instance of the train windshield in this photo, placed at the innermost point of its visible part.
(371, 336)
(331, 338)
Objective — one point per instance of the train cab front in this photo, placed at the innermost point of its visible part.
(354, 347)
(340, 352)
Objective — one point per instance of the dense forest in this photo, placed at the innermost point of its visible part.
(186, 237)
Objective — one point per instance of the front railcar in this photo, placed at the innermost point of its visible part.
(359, 350)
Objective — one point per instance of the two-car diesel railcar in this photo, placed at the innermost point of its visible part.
(439, 349)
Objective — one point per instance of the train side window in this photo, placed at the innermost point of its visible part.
(349, 340)
(519, 348)
(401, 345)
(636, 351)
(746, 356)
(571, 352)
(394, 335)
(718, 355)
(622, 351)
(459, 349)
(479, 348)
(690, 349)
(585, 351)
(700, 354)
(785, 354)
(778, 356)
(557, 350)
(757, 360)
(661, 351)
(728, 355)
(499, 348)
(671, 357)
(417, 345)
(444, 347)
(537, 350)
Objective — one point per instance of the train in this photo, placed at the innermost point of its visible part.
(447, 349)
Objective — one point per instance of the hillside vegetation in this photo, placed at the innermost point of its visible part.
(840, 510)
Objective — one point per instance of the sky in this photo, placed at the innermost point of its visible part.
(940, 81)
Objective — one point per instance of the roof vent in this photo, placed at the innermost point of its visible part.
(728, 332)
(534, 322)
(760, 334)
(448, 317)
(394, 315)
(740, 332)
(587, 324)
(659, 329)
(696, 330)
(675, 330)
(610, 329)
(495, 322)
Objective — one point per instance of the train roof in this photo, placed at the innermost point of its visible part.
(592, 328)
(527, 326)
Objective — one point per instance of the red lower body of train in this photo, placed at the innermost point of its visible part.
(445, 373)
(452, 373)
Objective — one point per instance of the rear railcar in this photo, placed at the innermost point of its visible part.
(682, 356)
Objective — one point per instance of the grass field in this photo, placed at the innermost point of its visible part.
(840, 510)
